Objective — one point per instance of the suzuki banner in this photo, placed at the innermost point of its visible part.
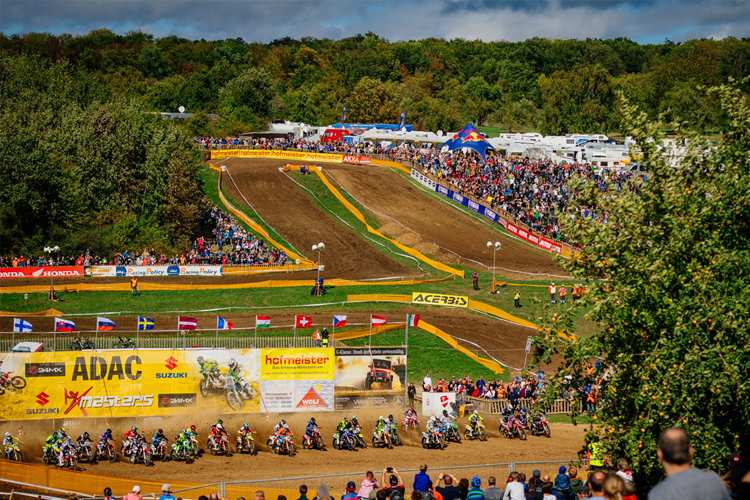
(370, 377)
(41, 272)
(140, 271)
(127, 383)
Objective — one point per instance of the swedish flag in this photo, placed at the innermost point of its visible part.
(145, 323)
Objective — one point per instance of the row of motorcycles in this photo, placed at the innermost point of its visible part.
(517, 423)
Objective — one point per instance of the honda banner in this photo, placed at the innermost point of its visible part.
(42, 272)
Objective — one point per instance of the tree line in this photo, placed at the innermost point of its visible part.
(553, 86)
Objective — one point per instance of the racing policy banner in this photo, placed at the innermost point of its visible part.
(370, 377)
(128, 383)
(139, 271)
(41, 272)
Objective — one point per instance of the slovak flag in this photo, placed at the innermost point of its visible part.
(302, 322)
(21, 326)
(185, 323)
(104, 324)
(377, 320)
(222, 324)
(339, 320)
(64, 325)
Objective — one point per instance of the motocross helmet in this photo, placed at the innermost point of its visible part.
(283, 422)
(220, 427)
(62, 431)
(134, 429)
(185, 433)
(160, 432)
(232, 363)
(200, 360)
(390, 417)
(445, 413)
(476, 413)
(221, 421)
(346, 419)
(108, 432)
(245, 425)
(86, 434)
(192, 428)
(312, 421)
(412, 408)
(7, 434)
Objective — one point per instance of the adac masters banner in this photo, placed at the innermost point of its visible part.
(127, 383)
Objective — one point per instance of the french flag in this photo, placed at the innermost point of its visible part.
(222, 324)
(339, 320)
(63, 325)
(104, 324)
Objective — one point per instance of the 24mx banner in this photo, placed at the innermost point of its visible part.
(128, 383)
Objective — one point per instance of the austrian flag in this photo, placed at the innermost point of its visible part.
(185, 323)
(377, 320)
(302, 322)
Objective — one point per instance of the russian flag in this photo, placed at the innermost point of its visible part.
(104, 324)
(222, 324)
(339, 320)
(63, 325)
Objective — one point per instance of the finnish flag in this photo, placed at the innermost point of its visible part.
(21, 326)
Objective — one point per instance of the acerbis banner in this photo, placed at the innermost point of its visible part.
(439, 299)
(41, 272)
(140, 271)
(127, 383)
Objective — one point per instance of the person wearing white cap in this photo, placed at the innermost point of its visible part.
(135, 494)
(166, 492)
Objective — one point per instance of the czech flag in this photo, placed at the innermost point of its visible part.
(21, 326)
(339, 320)
(104, 324)
(146, 323)
(63, 325)
(302, 322)
(222, 324)
(377, 320)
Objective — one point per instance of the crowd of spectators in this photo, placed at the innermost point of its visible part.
(286, 144)
(518, 388)
(228, 244)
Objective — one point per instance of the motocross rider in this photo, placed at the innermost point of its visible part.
(280, 430)
(343, 425)
(83, 438)
(65, 448)
(245, 430)
(183, 439)
(128, 438)
(8, 443)
(104, 436)
(52, 443)
(310, 429)
(411, 412)
(474, 421)
(392, 423)
(217, 431)
(158, 438)
(208, 367)
(433, 425)
(380, 426)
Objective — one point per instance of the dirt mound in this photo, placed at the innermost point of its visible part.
(296, 217)
(408, 213)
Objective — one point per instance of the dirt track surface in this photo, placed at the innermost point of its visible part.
(296, 217)
(419, 221)
(565, 442)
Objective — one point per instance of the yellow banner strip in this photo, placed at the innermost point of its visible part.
(392, 164)
(48, 312)
(257, 228)
(358, 215)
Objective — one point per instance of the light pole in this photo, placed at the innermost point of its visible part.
(318, 247)
(495, 247)
(50, 251)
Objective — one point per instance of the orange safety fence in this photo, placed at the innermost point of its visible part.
(276, 154)
(265, 269)
(256, 227)
(392, 164)
(487, 363)
(358, 215)
(365, 332)
(87, 483)
(379, 297)
(48, 312)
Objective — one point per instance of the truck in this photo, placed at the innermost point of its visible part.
(380, 372)
(334, 135)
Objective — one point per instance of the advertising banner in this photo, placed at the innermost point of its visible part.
(140, 271)
(362, 160)
(534, 239)
(370, 376)
(41, 272)
(162, 382)
(423, 179)
(282, 155)
(439, 299)
(433, 403)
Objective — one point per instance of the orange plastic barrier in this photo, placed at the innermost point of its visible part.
(48, 312)
(487, 363)
(379, 297)
(281, 155)
(392, 164)
(87, 483)
(365, 332)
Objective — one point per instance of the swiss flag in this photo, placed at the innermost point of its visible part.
(302, 322)
(311, 400)
(377, 320)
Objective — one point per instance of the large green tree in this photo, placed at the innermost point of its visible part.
(669, 285)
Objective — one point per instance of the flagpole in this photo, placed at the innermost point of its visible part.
(370, 341)
(216, 344)
(256, 333)
(406, 339)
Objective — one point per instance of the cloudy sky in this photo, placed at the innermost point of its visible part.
(645, 21)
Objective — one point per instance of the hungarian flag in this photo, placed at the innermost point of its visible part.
(222, 324)
(302, 322)
(339, 320)
(262, 322)
(185, 323)
(412, 320)
(104, 324)
(377, 320)
(64, 325)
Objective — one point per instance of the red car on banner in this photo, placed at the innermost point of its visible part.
(42, 272)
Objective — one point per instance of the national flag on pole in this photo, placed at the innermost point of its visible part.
(146, 323)
(377, 320)
(262, 322)
(339, 320)
(302, 322)
(412, 320)
(21, 326)
(185, 323)
(104, 324)
(222, 324)
(64, 325)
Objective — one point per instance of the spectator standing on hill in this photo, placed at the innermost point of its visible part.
(475, 280)
(134, 286)
(422, 480)
(107, 494)
(514, 489)
(614, 487)
(463, 488)
(547, 492)
(369, 483)
(553, 293)
(450, 490)
(427, 383)
(492, 492)
(684, 482)
(475, 492)
(517, 298)
(411, 391)
(259, 495)
(166, 492)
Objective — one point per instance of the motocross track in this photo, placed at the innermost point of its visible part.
(295, 216)
(421, 222)
(565, 442)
